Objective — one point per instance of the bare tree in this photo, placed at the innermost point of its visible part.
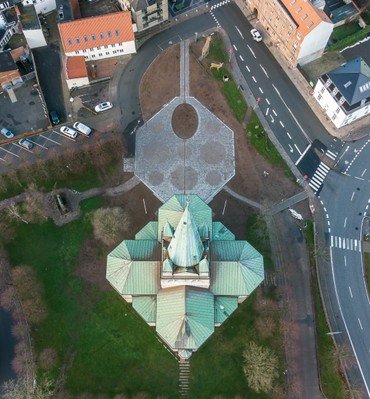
(343, 353)
(34, 205)
(16, 389)
(110, 224)
(14, 212)
(260, 367)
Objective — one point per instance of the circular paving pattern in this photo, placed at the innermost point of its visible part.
(155, 178)
(184, 121)
(213, 178)
(212, 152)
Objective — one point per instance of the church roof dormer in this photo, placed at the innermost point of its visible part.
(186, 248)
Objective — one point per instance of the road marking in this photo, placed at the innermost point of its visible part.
(47, 138)
(254, 55)
(345, 222)
(40, 145)
(359, 322)
(291, 113)
(241, 57)
(272, 119)
(353, 194)
(304, 153)
(350, 291)
(247, 68)
(260, 90)
(240, 33)
(331, 241)
(64, 136)
(345, 260)
(314, 185)
(289, 135)
(299, 152)
(22, 148)
(291, 148)
(254, 79)
(362, 174)
(274, 112)
(12, 153)
(235, 47)
(331, 155)
(267, 100)
(267, 111)
(345, 243)
(281, 123)
(264, 70)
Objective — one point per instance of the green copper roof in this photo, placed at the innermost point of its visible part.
(146, 306)
(133, 267)
(186, 248)
(224, 306)
(167, 266)
(185, 316)
(168, 230)
(220, 232)
(236, 268)
(148, 232)
(172, 210)
(204, 266)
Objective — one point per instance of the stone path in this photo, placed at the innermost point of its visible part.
(184, 377)
(184, 69)
(288, 203)
(242, 198)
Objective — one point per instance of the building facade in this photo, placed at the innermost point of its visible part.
(344, 93)
(9, 24)
(100, 37)
(31, 26)
(41, 6)
(146, 13)
(185, 274)
(296, 27)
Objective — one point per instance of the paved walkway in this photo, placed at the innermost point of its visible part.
(242, 198)
(295, 199)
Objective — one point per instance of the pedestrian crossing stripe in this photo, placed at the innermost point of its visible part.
(318, 177)
(220, 4)
(345, 243)
(331, 154)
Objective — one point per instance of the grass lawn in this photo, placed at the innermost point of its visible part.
(331, 381)
(349, 40)
(341, 32)
(217, 368)
(109, 348)
(217, 52)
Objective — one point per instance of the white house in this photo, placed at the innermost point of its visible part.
(344, 93)
(32, 29)
(99, 37)
(41, 6)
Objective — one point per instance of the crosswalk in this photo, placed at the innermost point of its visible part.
(318, 177)
(331, 154)
(345, 243)
(220, 4)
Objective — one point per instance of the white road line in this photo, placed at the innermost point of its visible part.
(241, 57)
(353, 194)
(345, 261)
(267, 100)
(350, 291)
(304, 153)
(362, 174)
(295, 145)
(359, 322)
(264, 70)
(240, 33)
(47, 138)
(254, 79)
(64, 136)
(22, 148)
(289, 135)
(12, 153)
(351, 244)
(260, 90)
(291, 148)
(267, 111)
(314, 185)
(331, 153)
(291, 113)
(320, 174)
(40, 145)
(272, 119)
(281, 123)
(247, 68)
(331, 241)
(274, 112)
(235, 48)
(339, 242)
(254, 55)
(345, 222)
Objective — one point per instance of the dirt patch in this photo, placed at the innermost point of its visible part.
(161, 82)
(184, 121)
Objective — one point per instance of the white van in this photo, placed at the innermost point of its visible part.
(82, 128)
(68, 132)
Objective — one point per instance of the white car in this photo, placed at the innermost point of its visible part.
(68, 132)
(256, 35)
(7, 133)
(103, 106)
(82, 128)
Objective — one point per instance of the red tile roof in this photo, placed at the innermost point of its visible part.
(97, 31)
(76, 67)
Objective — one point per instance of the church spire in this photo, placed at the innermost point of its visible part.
(186, 248)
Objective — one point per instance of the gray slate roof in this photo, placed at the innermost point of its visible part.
(6, 62)
(352, 80)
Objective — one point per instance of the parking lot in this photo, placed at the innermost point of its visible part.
(26, 114)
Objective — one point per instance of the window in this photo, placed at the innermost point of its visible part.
(319, 97)
(310, 24)
(113, 45)
(109, 34)
(105, 46)
(93, 37)
(69, 42)
(98, 48)
(100, 54)
(77, 40)
(77, 52)
(85, 39)
(304, 16)
(93, 56)
(322, 90)
(337, 110)
(334, 117)
(84, 51)
(107, 53)
(299, 35)
(299, 9)
(101, 35)
(116, 32)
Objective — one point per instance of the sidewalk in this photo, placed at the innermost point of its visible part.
(354, 131)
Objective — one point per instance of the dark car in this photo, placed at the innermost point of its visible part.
(54, 117)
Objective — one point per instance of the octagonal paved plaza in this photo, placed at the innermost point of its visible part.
(168, 164)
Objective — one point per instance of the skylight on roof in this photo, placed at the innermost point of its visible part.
(364, 87)
(347, 84)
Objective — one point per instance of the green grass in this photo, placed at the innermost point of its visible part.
(331, 381)
(110, 349)
(366, 17)
(217, 368)
(349, 40)
(217, 52)
(342, 32)
(367, 269)
(232, 94)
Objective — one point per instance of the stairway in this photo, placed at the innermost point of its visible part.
(184, 366)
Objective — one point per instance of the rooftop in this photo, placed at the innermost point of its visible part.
(4, 4)
(6, 62)
(29, 17)
(68, 10)
(142, 4)
(96, 31)
(76, 67)
(352, 80)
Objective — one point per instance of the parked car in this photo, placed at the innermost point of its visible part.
(54, 117)
(103, 106)
(68, 132)
(26, 143)
(7, 133)
(256, 35)
(82, 128)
